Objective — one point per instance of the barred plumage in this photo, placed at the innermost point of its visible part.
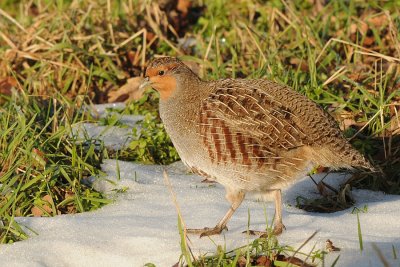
(249, 135)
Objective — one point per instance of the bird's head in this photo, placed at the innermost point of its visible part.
(164, 74)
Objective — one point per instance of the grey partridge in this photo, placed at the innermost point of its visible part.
(249, 135)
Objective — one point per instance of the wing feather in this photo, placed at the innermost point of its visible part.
(246, 125)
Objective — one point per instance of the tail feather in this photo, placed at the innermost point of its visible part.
(341, 154)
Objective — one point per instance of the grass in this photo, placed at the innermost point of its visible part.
(259, 252)
(359, 233)
(43, 167)
(57, 55)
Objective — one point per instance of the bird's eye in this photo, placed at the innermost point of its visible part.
(161, 72)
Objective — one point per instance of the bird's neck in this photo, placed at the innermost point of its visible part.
(186, 97)
(181, 110)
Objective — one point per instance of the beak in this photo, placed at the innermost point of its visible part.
(145, 83)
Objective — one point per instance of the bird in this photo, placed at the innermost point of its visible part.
(249, 135)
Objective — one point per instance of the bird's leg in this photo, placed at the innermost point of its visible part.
(235, 198)
(278, 225)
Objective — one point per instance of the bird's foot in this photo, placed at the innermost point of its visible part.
(207, 231)
(278, 229)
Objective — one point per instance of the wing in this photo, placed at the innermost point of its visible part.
(255, 121)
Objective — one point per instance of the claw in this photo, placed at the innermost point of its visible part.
(254, 232)
(207, 231)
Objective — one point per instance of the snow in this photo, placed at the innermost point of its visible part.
(113, 137)
(141, 225)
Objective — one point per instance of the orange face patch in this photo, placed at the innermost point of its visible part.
(165, 84)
